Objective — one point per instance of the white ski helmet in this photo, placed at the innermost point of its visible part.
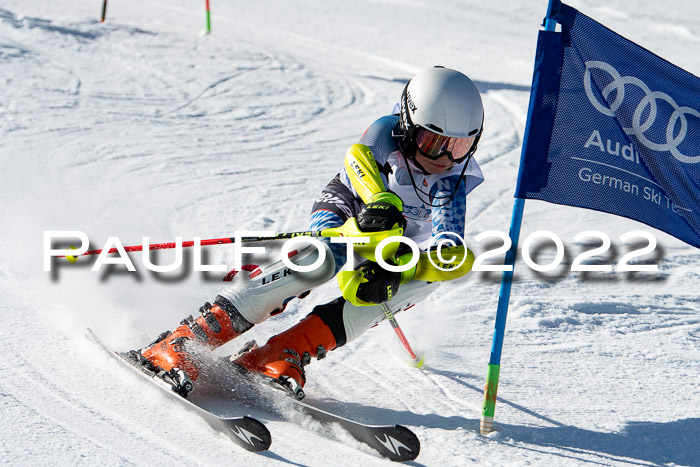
(443, 101)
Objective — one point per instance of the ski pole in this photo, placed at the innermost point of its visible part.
(415, 360)
(104, 11)
(349, 229)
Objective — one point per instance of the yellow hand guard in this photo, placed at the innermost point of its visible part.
(367, 181)
(363, 172)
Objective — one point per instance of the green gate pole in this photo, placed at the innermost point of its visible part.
(208, 18)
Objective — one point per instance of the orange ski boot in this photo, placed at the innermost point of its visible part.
(171, 357)
(284, 356)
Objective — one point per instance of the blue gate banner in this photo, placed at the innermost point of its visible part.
(612, 127)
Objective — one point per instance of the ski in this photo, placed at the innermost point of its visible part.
(395, 442)
(245, 431)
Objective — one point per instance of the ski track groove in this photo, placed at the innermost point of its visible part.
(208, 88)
(459, 403)
(79, 414)
(488, 204)
(386, 386)
(63, 427)
(512, 135)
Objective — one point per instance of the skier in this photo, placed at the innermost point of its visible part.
(424, 171)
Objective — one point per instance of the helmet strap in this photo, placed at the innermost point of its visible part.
(449, 197)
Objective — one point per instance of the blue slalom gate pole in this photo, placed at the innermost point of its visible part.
(494, 368)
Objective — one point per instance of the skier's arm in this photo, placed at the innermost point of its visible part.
(449, 215)
(363, 172)
(369, 283)
(382, 210)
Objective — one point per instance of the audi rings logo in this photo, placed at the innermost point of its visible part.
(639, 127)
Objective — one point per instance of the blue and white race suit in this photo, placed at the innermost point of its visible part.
(339, 200)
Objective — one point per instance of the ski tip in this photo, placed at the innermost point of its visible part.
(398, 444)
(261, 430)
(250, 434)
(411, 441)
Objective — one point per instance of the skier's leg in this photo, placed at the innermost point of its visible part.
(249, 301)
(358, 319)
(267, 292)
(253, 299)
(268, 289)
(327, 327)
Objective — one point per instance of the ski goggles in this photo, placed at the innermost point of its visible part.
(434, 146)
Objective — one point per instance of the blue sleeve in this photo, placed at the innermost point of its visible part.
(320, 220)
(378, 138)
(449, 217)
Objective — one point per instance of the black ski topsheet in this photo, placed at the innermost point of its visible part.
(245, 431)
(394, 442)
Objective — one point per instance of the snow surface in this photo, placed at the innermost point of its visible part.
(143, 126)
